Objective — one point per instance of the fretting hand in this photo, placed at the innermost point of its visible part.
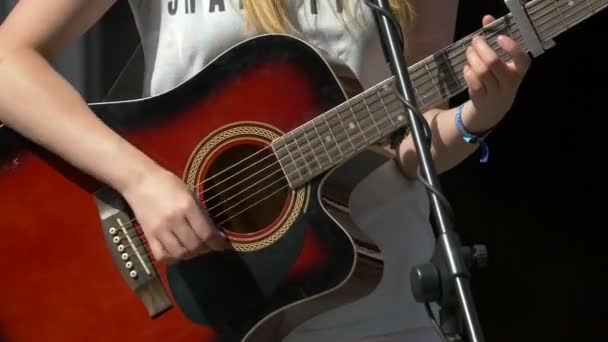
(492, 83)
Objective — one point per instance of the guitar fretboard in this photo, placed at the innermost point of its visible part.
(361, 121)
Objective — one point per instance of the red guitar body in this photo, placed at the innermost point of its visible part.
(64, 276)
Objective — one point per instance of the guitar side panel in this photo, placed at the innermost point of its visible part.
(59, 281)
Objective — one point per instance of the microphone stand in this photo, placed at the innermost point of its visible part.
(445, 280)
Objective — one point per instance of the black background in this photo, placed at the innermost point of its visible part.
(538, 204)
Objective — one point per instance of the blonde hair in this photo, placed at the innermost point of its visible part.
(271, 15)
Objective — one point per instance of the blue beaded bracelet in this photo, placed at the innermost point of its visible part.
(472, 138)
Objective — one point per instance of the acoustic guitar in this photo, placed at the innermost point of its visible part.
(256, 134)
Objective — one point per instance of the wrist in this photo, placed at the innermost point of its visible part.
(131, 169)
(471, 137)
(473, 121)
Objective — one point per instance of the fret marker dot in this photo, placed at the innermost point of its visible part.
(328, 138)
(570, 3)
(400, 117)
(351, 126)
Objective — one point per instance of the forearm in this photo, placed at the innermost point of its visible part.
(38, 103)
(448, 147)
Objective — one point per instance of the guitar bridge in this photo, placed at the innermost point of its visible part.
(128, 252)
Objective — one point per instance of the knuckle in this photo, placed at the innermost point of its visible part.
(186, 204)
(483, 70)
(197, 245)
(206, 235)
(162, 256)
(155, 228)
(494, 61)
(181, 253)
(469, 52)
(476, 87)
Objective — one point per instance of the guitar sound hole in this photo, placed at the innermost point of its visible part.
(245, 190)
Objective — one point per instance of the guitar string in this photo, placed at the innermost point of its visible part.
(315, 138)
(587, 7)
(535, 6)
(564, 12)
(358, 136)
(216, 215)
(234, 166)
(237, 203)
(276, 162)
(254, 194)
(273, 183)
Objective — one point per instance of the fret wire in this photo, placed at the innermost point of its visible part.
(428, 82)
(296, 168)
(435, 86)
(589, 6)
(419, 97)
(365, 106)
(333, 137)
(305, 128)
(546, 27)
(449, 49)
(556, 7)
(356, 120)
(386, 109)
(457, 79)
(378, 111)
(458, 63)
(341, 136)
(312, 148)
(560, 13)
(584, 10)
(449, 67)
(279, 149)
(302, 155)
(543, 9)
(315, 124)
(398, 112)
(421, 85)
(551, 18)
(372, 116)
(361, 99)
(348, 135)
(375, 114)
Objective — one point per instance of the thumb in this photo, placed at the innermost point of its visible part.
(487, 19)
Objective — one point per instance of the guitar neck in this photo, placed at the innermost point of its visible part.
(363, 120)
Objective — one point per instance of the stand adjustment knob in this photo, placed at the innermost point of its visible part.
(425, 282)
(480, 256)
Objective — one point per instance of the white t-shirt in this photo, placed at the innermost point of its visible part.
(179, 37)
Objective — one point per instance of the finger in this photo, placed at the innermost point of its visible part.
(187, 237)
(203, 227)
(490, 58)
(487, 19)
(158, 251)
(172, 245)
(481, 70)
(474, 83)
(520, 61)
